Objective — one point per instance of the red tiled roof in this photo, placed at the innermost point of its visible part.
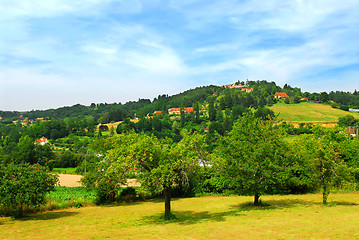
(188, 109)
(281, 94)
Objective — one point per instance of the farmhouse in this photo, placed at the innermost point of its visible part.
(178, 110)
(247, 89)
(157, 112)
(279, 95)
(174, 111)
(353, 131)
(42, 141)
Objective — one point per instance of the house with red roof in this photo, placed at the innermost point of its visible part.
(352, 131)
(279, 95)
(188, 109)
(247, 89)
(42, 141)
(174, 111)
(157, 112)
(178, 110)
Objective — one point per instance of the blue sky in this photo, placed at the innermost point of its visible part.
(57, 53)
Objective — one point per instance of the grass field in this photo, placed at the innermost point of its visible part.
(285, 217)
(309, 112)
(65, 170)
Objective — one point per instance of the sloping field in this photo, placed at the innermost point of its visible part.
(309, 112)
(286, 217)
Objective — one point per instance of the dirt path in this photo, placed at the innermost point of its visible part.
(69, 180)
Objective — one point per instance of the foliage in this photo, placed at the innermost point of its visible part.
(347, 120)
(253, 157)
(24, 185)
(326, 165)
(106, 180)
(159, 164)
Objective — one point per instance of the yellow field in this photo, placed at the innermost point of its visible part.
(286, 217)
(310, 112)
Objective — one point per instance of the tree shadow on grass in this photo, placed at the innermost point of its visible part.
(47, 216)
(286, 203)
(137, 202)
(341, 203)
(189, 217)
(274, 204)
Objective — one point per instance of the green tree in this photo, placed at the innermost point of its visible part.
(26, 150)
(211, 111)
(160, 163)
(196, 112)
(347, 120)
(253, 157)
(324, 158)
(24, 185)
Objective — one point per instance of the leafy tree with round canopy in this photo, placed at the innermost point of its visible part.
(24, 185)
(325, 158)
(159, 163)
(253, 157)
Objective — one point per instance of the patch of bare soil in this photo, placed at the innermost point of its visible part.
(68, 180)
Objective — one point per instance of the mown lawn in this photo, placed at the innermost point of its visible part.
(284, 217)
(309, 112)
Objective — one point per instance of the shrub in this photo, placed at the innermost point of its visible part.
(128, 194)
(24, 186)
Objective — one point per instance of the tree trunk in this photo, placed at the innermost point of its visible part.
(256, 199)
(21, 211)
(167, 193)
(325, 194)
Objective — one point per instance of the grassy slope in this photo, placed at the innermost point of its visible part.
(287, 217)
(309, 112)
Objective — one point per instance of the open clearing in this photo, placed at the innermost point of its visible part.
(309, 112)
(69, 180)
(286, 217)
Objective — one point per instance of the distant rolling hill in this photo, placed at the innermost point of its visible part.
(309, 112)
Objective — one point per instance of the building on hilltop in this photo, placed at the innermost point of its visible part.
(234, 86)
(247, 89)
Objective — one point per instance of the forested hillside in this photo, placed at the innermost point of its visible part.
(164, 142)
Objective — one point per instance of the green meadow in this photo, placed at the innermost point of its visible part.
(233, 217)
(309, 112)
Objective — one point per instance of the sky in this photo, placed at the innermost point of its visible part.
(56, 53)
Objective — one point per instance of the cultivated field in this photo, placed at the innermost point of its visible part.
(309, 112)
(286, 217)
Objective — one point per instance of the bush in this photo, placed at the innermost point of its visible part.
(128, 194)
(24, 186)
